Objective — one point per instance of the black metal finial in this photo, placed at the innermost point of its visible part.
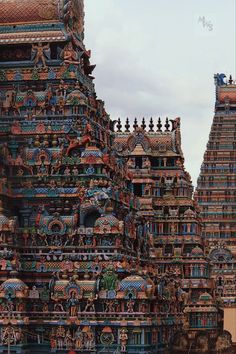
(167, 125)
(135, 125)
(143, 125)
(159, 125)
(119, 126)
(127, 125)
(230, 80)
(151, 125)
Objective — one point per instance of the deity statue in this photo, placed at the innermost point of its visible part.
(146, 162)
(68, 339)
(74, 16)
(175, 123)
(223, 342)
(130, 306)
(60, 334)
(72, 304)
(90, 306)
(78, 339)
(40, 53)
(69, 55)
(34, 293)
(89, 340)
(42, 169)
(131, 162)
(110, 306)
(9, 335)
(53, 342)
(123, 339)
(109, 279)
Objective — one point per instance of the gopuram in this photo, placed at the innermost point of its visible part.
(177, 249)
(101, 248)
(216, 195)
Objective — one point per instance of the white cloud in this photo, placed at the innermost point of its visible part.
(154, 59)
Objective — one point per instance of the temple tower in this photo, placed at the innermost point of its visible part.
(216, 191)
(74, 261)
(177, 249)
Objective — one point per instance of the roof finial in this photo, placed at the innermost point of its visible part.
(230, 80)
(127, 125)
(143, 125)
(135, 126)
(167, 125)
(119, 125)
(151, 125)
(159, 125)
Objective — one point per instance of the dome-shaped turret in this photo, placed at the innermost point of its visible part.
(4, 221)
(107, 223)
(133, 282)
(92, 151)
(206, 297)
(197, 251)
(14, 286)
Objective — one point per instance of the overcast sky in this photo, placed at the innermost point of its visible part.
(158, 58)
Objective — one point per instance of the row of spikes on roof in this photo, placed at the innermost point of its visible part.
(143, 125)
(231, 81)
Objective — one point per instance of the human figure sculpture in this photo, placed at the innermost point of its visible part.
(131, 162)
(89, 339)
(69, 55)
(175, 123)
(110, 306)
(76, 143)
(43, 237)
(130, 306)
(40, 55)
(123, 339)
(53, 342)
(146, 162)
(60, 334)
(34, 293)
(74, 17)
(72, 304)
(78, 339)
(90, 306)
(9, 335)
(109, 279)
(68, 339)
(223, 342)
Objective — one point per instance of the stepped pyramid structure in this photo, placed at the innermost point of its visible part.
(100, 240)
(216, 193)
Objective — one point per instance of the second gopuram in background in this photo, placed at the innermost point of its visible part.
(216, 195)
